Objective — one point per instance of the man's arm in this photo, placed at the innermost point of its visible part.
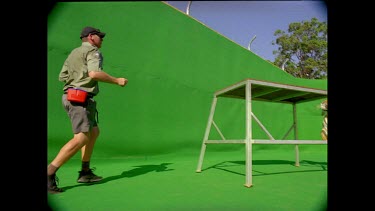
(105, 77)
(63, 76)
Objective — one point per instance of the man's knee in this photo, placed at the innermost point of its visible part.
(82, 137)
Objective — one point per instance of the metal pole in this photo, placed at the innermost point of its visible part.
(188, 8)
(248, 47)
(283, 66)
(249, 138)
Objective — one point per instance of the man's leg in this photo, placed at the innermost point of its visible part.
(65, 153)
(86, 174)
(87, 150)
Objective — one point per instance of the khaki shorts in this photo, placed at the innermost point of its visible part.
(83, 116)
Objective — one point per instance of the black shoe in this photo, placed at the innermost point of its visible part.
(52, 182)
(88, 176)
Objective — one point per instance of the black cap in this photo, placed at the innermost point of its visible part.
(91, 30)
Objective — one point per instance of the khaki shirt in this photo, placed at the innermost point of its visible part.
(76, 68)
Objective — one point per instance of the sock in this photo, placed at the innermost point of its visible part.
(85, 165)
(51, 169)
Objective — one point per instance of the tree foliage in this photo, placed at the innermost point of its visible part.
(302, 52)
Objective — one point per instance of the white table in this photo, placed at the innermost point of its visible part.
(257, 90)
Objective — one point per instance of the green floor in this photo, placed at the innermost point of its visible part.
(169, 182)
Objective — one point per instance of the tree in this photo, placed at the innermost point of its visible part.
(302, 52)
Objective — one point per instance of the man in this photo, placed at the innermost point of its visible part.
(81, 72)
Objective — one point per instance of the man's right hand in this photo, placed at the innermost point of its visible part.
(122, 81)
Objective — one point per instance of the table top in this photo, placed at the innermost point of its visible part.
(272, 92)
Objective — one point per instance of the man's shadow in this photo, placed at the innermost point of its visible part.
(139, 170)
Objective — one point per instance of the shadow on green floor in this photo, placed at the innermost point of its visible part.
(227, 164)
(139, 170)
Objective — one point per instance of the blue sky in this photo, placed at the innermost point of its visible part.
(240, 21)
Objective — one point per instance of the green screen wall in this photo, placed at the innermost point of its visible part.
(174, 64)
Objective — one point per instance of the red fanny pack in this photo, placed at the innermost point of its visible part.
(77, 95)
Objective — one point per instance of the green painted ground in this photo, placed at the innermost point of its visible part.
(169, 182)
